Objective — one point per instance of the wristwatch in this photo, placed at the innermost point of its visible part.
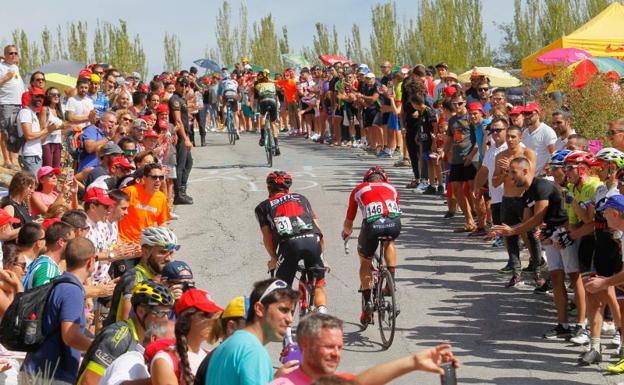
(111, 256)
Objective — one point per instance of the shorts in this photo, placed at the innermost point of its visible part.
(385, 116)
(368, 240)
(247, 111)
(231, 102)
(350, 110)
(8, 116)
(304, 106)
(393, 122)
(607, 257)
(565, 259)
(371, 118)
(496, 213)
(461, 173)
(268, 106)
(173, 171)
(290, 251)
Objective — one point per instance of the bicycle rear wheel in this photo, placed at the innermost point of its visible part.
(268, 145)
(386, 308)
(231, 131)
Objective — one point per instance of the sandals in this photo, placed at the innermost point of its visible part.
(412, 184)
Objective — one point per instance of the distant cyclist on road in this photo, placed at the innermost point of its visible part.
(265, 95)
(378, 200)
(290, 233)
(229, 95)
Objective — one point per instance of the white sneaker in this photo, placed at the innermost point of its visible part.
(608, 329)
(173, 216)
(581, 337)
(322, 309)
(616, 340)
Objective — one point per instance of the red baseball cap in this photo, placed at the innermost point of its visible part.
(36, 91)
(162, 108)
(49, 222)
(151, 134)
(47, 170)
(197, 298)
(476, 106)
(85, 74)
(96, 194)
(532, 107)
(121, 161)
(516, 110)
(5, 218)
(449, 91)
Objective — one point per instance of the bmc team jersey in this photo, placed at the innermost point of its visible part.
(287, 215)
(110, 343)
(375, 200)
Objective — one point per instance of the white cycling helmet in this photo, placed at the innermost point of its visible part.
(159, 236)
(610, 154)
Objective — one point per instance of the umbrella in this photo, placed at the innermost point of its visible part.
(66, 67)
(60, 81)
(208, 64)
(295, 61)
(563, 56)
(583, 70)
(497, 77)
(329, 60)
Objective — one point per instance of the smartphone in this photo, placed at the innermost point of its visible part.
(448, 378)
(70, 175)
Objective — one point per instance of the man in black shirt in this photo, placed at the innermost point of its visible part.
(180, 118)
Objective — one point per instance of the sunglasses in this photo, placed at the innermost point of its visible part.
(458, 103)
(160, 313)
(140, 129)
(483, 89)
(127, 119)
(130, 152)
(171, 247)
(497, 130)
(554, 168)
(613, 133)
(276, 285)
(39, 79)
(569, 168)
(22, 265)
(529, 113)
(54, 94)
(157, 177)
(12, 53)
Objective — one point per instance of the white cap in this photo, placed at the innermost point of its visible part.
(369, 75)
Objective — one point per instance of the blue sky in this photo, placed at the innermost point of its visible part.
(194, 21)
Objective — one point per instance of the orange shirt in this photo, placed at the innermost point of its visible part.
(290, 89)
(144, 211)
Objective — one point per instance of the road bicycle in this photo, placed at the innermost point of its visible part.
(229, 124)
(269, 141)
(307, 288)
(383, 296)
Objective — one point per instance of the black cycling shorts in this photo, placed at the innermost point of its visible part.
(292, 250)
(270, 106)
(368, 240)
(607, 258)
(231, 101)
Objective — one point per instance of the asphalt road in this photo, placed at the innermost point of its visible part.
(449, 289)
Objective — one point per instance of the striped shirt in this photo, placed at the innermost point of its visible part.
(41, 271)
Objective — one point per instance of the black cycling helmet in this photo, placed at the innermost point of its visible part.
(377, 170)
(279, 179)
(150, 293)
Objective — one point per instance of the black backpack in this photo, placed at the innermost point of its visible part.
(21, 326)
(15, 141)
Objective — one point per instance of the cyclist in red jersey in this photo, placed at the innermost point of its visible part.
(378, 200)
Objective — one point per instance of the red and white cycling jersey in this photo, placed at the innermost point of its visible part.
(375, 200)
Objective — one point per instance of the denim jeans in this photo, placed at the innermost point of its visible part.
(512, 210)
(31, 164)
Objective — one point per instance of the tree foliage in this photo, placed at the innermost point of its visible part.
(385, 35)
(264, 44)
(324, 41)
(226, 40)
(538, 23)
(242, 32)
(171, 46)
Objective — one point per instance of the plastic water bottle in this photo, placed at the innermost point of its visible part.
(291, 349)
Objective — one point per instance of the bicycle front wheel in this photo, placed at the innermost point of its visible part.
(386, 308)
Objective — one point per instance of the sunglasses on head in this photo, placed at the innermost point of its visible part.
(276, 285)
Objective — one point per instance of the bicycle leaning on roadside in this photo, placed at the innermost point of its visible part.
(383, 295)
